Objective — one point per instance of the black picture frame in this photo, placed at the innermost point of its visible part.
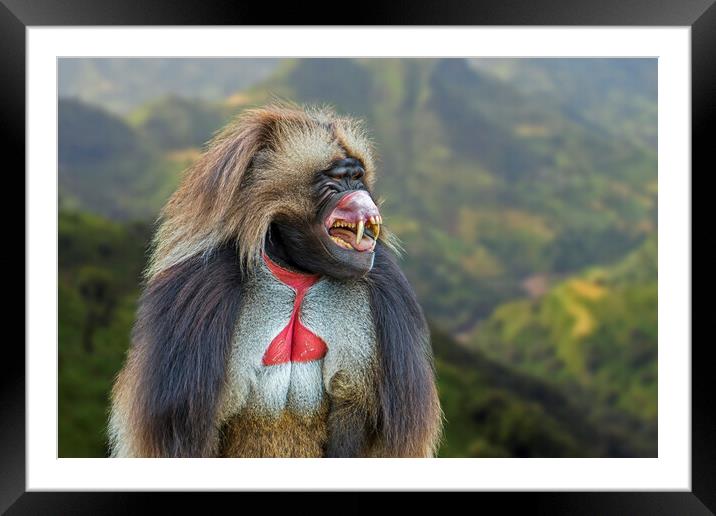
(17, 15)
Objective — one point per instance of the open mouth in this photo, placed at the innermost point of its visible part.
(360, 236)
(355, 222)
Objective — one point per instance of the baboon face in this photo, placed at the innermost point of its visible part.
(340, 239)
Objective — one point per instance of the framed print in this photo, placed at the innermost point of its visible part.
(535, 165)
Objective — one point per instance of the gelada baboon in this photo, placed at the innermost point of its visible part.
(274, 320)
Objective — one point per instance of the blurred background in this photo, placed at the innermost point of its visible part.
(524, 192)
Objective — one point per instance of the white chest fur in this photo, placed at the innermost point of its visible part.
(337, 312)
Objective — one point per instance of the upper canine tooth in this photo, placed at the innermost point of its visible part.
(359, 233)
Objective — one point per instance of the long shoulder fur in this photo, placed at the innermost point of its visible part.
(409, 417)
(166, 399)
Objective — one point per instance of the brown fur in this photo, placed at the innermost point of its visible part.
(251, 434)
(126, 417)
(353, 412)
(424, 442)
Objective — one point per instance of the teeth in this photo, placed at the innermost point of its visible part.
(341, 243)
(359, 233)
(343, 224)
(374, 222)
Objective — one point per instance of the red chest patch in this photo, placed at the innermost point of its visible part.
(295, 343)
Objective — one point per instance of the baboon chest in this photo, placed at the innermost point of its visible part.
(294, 333)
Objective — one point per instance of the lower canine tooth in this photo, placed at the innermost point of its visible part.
(359, 233)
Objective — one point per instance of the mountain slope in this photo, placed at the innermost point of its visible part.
(100, 264)
(492, 410)
(596, 333)
(122, 84)
(617, 96)
(108, 167)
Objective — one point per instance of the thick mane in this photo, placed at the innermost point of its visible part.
(182, 336)
(409, 416)
(196, 219)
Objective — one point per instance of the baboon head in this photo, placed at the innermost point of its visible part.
(293, 182)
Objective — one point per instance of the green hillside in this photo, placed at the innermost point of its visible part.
(172, 123)
(617, 96)
(107, 167)
(596, 332)
(100, 265)
(491, 410)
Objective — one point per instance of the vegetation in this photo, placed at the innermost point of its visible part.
(614, 95)
(100, 266)
(596, 332)
(525, 200)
